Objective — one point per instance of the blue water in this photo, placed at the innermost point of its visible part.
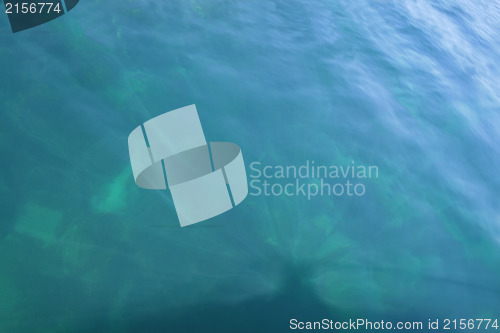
(408, 86)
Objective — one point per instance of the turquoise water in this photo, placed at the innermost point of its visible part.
(408, 86)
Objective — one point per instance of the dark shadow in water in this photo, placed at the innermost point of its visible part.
(260, 314)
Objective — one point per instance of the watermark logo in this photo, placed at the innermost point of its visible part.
(205, 179)
(310, 180)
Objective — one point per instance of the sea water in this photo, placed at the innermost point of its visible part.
(410, 87)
